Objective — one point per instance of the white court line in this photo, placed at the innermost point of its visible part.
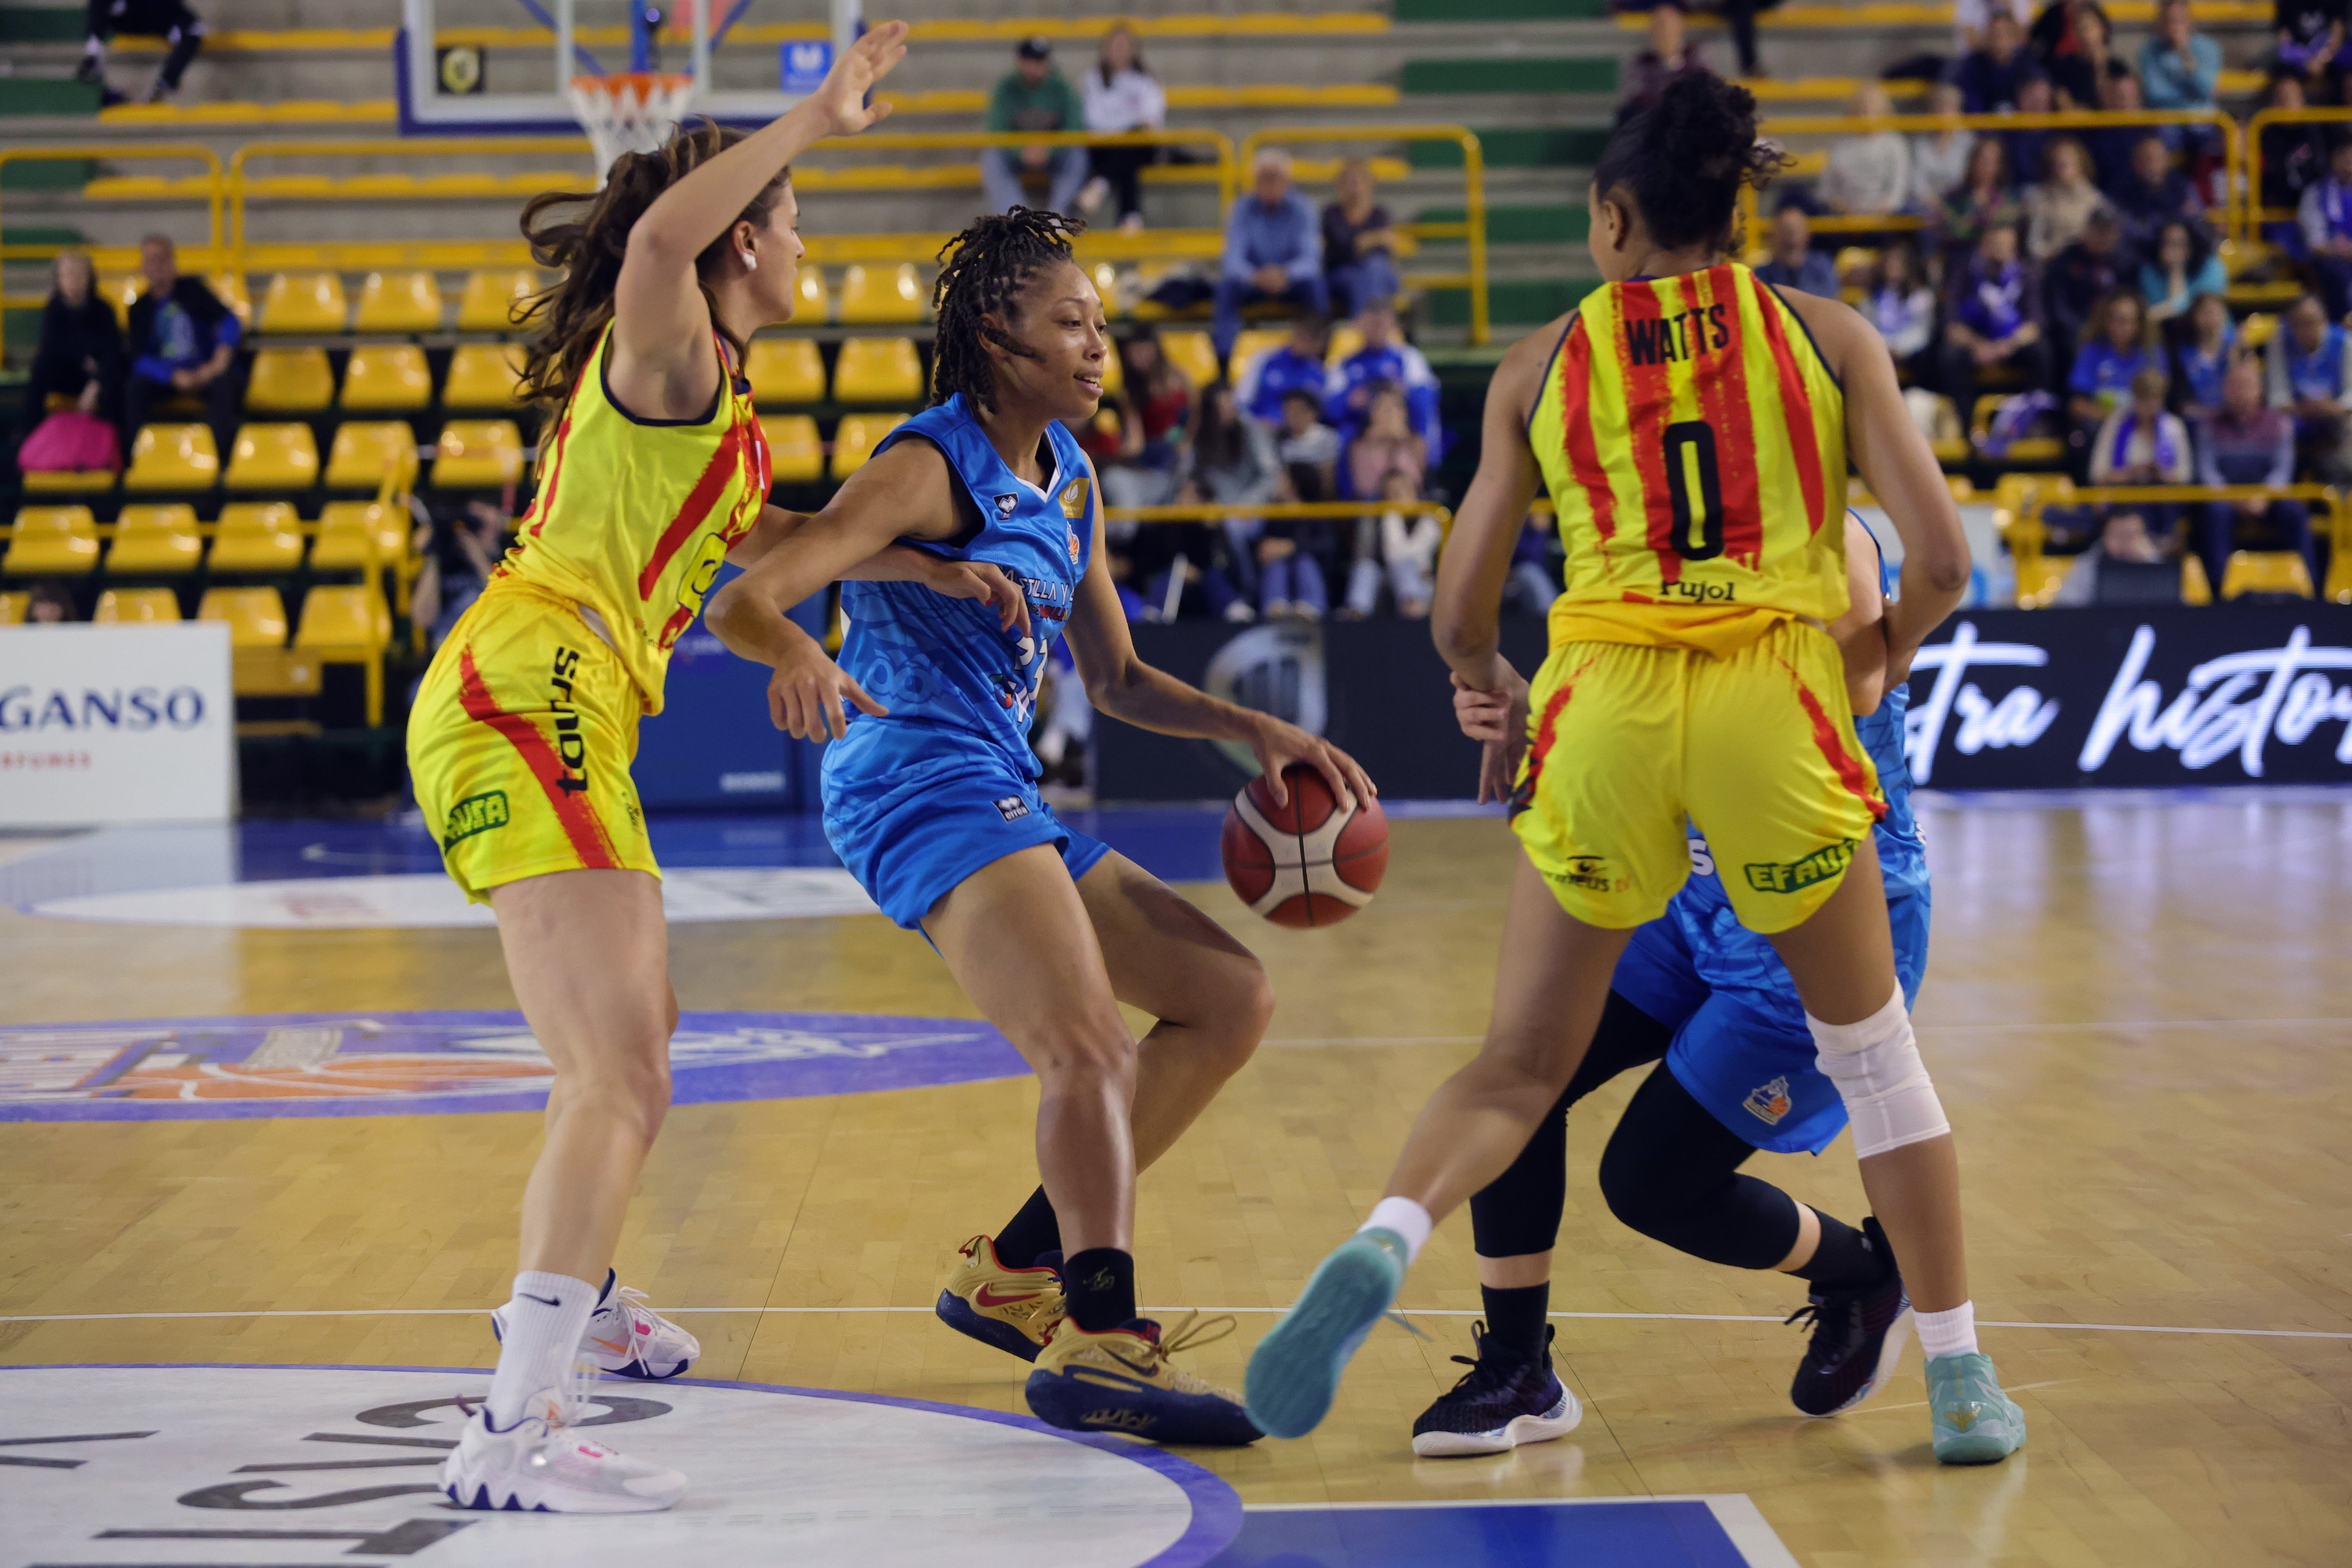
(1241, 1312)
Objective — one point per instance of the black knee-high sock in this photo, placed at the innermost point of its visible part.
(1098, 1287)
(1514, 1318)
(1032, 1231)
(1846, 1259)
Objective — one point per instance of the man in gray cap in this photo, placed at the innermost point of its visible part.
(1035, 97)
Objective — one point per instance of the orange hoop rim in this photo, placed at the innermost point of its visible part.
(646, 84)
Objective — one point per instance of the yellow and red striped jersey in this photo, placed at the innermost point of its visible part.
(1693, 443)
(633, 516)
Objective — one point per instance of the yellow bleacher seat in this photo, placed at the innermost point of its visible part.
(795, 455)
(483, 376)
(256, 616)
(159, 537)
(1106, 282)
(365, 451)
(118, 290)
(355, 535)
(854, 438)
(273, 458)
(398, 302)
(2196, 587)
(1191, 353)
(492, 297)
(89, 482)
(883, 294)
(172, 457)
(136, 605)
(12, 608)
(814, 304)
(230, 288)
(2265, 571)
(2256, 330)
(1114, 378)
(52, 541)
(304, 302)
(1249, 345)
(785, 371)
(289, 380)
(350, 616)
(477, 454)
(1347, 341)
(878, 370)
(257, 536)
(387, 377)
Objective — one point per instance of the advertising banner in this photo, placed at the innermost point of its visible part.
(2228, 694)
(104, 724)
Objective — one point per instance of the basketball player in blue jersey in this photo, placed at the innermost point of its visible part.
(930, 799)
(1712, 999)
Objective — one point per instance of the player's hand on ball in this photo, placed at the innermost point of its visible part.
(805, 695)
(842, 96)
(979, 580)
(1278, 745)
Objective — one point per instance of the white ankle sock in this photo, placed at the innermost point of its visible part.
(544, 1322)
(1405, 1217)
(1947, 1334)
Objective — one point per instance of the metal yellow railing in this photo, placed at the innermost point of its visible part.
(1474, 180)
(2255, 214)
(2038, 575)
(215, 187)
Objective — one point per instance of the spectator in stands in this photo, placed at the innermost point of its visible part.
(1273, 251)
(2144, 443)
(1034, 96)
(2295, 159)
(2309, 376)
(2178, 67)
(49, 604)
(2325, 222)
(2155, 194)
(181, 338)
(80, 351)
(2112, 352)
(1232, 462)
(1121, 94)
(1971, 17)
(182, 30)
(1984, 200)
(1795, 263)
(1359, 242)
(2111, 147)
(1386, 444)
(1992, 318)
(2311, 39)
(1406, 542)
(1903, 308)
(1940, 160)
(2082, 275)
(1159, 398)
(2183, 269)
(1287, 367)
(2059, 209)
(2124, 540)
(1870, 172)
(1989, 77)
(1291, 551)
(1535, 579)
(2203, 351)
(2079, 72)
(1670, 53)
(1385, 357)
(2243, 442)
(2057, 32)
(456, 551)
(2026, 148)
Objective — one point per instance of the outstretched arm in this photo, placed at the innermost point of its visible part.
(893, 563)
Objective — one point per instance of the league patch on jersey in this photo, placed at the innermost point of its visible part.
(1769, 1102)
(1004, 505)
(1013, 809)
(1073, 502)
(1074, 544)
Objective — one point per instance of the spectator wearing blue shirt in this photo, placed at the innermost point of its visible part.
(181, 338)
(1274, 250)
(2309, 378)
(1285, 368)
(2113, 350)
(1992, 317)
(1795, 263)
(2325, 218)
(1385, 357)
(2177, 68)
(2201, 355)
(2183, 271)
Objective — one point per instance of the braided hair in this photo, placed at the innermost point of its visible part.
(982, 272)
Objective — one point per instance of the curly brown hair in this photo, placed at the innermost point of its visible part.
(585, 237)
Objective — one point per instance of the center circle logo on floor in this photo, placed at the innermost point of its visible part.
(177, 1462)
(384, 1064)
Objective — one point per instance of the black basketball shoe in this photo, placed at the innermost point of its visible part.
(1857, 1338)
(1503, 1401)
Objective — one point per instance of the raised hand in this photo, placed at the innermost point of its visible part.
(841, 99)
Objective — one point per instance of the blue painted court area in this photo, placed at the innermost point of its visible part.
(1628, 1533)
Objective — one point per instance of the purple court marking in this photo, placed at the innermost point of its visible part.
(1216, 1507)
(437, 1063)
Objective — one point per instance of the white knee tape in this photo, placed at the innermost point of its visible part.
(1876, 1065)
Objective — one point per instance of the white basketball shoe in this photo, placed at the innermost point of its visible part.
(627, 1338)
(539, 1464)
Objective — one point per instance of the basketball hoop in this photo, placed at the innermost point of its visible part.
(628, 111)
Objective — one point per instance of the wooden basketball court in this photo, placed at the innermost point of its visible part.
(2138, 1010)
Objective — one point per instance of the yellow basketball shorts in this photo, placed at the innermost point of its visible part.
(520, 746)
(1758, 749)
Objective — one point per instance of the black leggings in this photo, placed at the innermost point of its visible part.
(1670, 1170)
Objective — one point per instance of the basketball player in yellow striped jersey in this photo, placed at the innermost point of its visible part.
(653, 472)
(1694, 427)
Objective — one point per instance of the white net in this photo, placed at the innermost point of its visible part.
(628, 111)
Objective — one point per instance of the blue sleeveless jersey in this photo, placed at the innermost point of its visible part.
(938, 661)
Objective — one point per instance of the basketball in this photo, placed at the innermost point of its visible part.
(1313, 862)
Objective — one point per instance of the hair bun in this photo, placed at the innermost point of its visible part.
(1705, 124)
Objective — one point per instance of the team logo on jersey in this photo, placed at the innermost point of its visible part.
(1769, 1102)
(1590, 871)
(1074, 544)
(474, 814)
(1004, 505)
(1821, 866)
(1073, 502)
